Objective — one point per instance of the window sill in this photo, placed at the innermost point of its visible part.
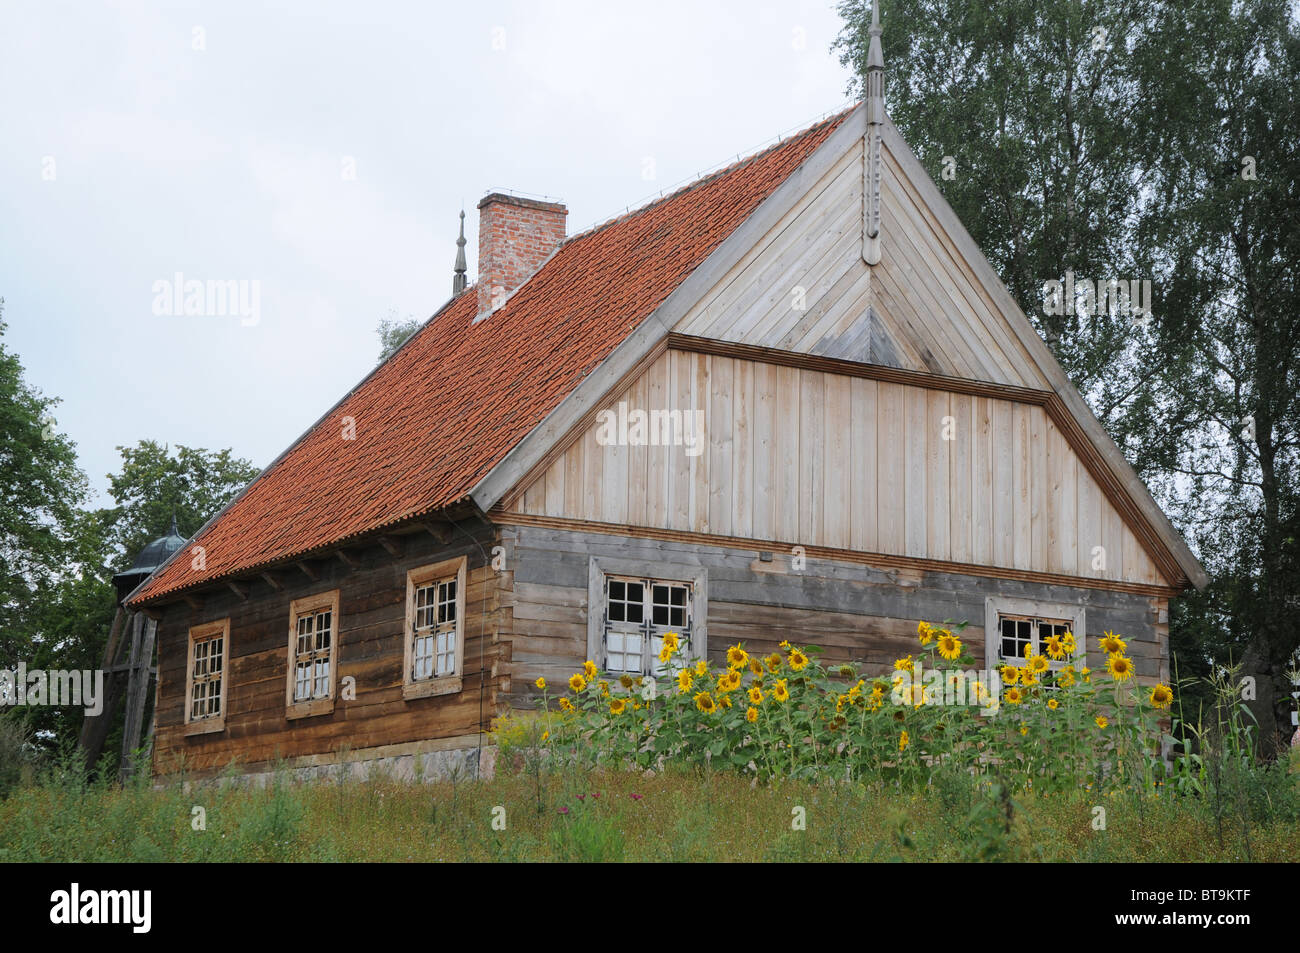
(429, 687)
(207, 726)
(319, 706)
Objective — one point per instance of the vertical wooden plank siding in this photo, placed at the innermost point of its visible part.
(802, 456)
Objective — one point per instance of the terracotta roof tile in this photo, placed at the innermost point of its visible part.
(445, 409)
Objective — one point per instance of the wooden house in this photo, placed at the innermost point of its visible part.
(791, 400)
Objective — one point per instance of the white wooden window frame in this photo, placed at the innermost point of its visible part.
(311, 605)
(602, 568)
(436, 684)
(204, 633)
(997, 606)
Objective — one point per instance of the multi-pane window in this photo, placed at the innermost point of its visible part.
(638, 612)
(436, 619)
(206, 676)
(313, 656)
(1015, 632)
(435, 629)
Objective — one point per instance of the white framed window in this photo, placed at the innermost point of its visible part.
(313, 651)
(1012, 624)
(205, 682)
(638, 612)
(435, 629)
(632, 605)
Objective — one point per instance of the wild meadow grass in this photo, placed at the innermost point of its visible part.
(605, 815)
(770, 759)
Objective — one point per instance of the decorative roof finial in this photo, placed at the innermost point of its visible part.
(459, 281)
(875, 70)
(872, 166)
(172, 531)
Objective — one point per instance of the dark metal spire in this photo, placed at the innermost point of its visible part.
(459, 281)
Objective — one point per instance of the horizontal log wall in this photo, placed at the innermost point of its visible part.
(855, 612)
(371, 623)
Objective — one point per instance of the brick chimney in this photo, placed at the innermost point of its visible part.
(515, 235)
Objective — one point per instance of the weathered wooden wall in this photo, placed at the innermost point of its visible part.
(853, 611)
(824, 459)
(370, 648)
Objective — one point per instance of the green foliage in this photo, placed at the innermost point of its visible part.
(40, 490)
(393, 333)
(156, 483)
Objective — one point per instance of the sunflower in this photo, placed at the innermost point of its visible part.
(1010, 674)
(1113, 644)
(840, 702)
(725, 701)
(589, 670)
(1014, 696)
(625, 680)
(949, 646)
(846, 671)
(903, 664)
(1055, 647)
(1065, 677)
(566, 705)
(756, 666)
(1162, 696)
(755, 695)
(665, 655)
(685, 680)
(1053, 704)
(576, 682)
(903, 741)
(751, 714)
(925, 632)
(541, 683)
(780, 692)
(737, 657)
(773, 663)
(1024, 729)
(798, 661)
(670, 641)
(1086, 674)
(1068, 643)
(618, 706)
(704, 702)
(701, 668)
(604, 688)
(785, 645)
(729, 682)
(1120, 667)
(1038, 664)
(1028, 677)
(1101, 721)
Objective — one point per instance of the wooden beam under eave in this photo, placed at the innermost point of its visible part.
(347, 558)
(394, 546)
(193, 603)
(306, 567)
(237, 589)
(272, 581)
(439, 531)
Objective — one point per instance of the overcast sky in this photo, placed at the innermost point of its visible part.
(324, 150)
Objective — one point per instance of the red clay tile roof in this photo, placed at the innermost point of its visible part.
(441, 412)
